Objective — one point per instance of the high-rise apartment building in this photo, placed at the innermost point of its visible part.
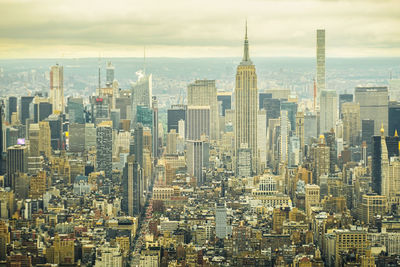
(246, 106)
(204, 93)
(57, 88)
(104, 147)
(320, 60)
(373, 105)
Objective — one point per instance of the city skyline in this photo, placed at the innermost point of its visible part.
(43, 29)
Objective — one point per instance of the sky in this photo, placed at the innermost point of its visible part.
(197, 28)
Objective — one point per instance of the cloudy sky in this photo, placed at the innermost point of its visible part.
(197, 28)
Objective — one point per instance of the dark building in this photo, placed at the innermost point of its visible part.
(138, 146)
(2, 161)
(42, 111)
(16, 162)
(100, 109)
(133, 186)
(56, 130)
(261, 97)
(25, 110)
(226, 102)
(394, 117)
(344, 98)
(291, 108)
(331, 142)
(273, 108)
(76, 110)
(367, 131)
(175, 114)
(12, 106)
(392, 144)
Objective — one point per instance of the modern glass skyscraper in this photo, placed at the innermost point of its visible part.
(141, 94)
(246, 94)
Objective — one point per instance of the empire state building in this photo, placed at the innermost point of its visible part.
(246, 107)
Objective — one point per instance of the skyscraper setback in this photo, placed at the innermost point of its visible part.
(320, 60)
(246, 94)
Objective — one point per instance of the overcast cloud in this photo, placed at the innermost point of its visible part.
(189, 28)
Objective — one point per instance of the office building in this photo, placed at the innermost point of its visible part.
(204, 93)
(104, 148)
(100, 109)
(262, 140)
(141, 94)
(300, 131)
(367, 132)
(76, 110)
(373, 105)
(90, 136)
(344, 98)
(144, 115)
(261, 99)
(42, 111)
(56, 128)
(110, 69)
(225, 98)
(371, 206)
(133, 187)
(197, 159)
(26, 108)
(157, 145)
(284, 137)
(328, 110)
(76, 137)
(312, 197)
(320, 60)
(351, 123)
(197, 122)
(57, 88)
(246, 106)
(139, 143)
(174, 115)
(273, 108)
(244, 162)
(221, 220)
(291, 108)
(378, 149)
(123, 103)
(11, 107)
(16, 162)
(394, 117)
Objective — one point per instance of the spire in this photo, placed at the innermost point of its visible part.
(246, 57)
(395, 133)
(382, 130)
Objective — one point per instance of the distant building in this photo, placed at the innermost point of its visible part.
(141, 94)
(328, 110)
(320, 60)
(373, 105)
(104, 148)
(57, 88)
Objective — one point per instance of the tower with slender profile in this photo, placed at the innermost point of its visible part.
(320, 60)
(246, 106)
(57, 88)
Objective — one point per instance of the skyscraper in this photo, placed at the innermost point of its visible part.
(197, 159)
(284, 138)
(109, 74)
(246, 106)
(132, 188)
(25, 110)
(16, 162)
(76, 110)
(175, 114)
(373, 105)
(12, 107)
(394, 117)
(204, 93)
(344, 98)
(351, 123)
(226, 101)
(198, 122)
(141, 94)
(156, 144)
(104, 147)
(320, 60)
(328, 113)
(57, 88)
